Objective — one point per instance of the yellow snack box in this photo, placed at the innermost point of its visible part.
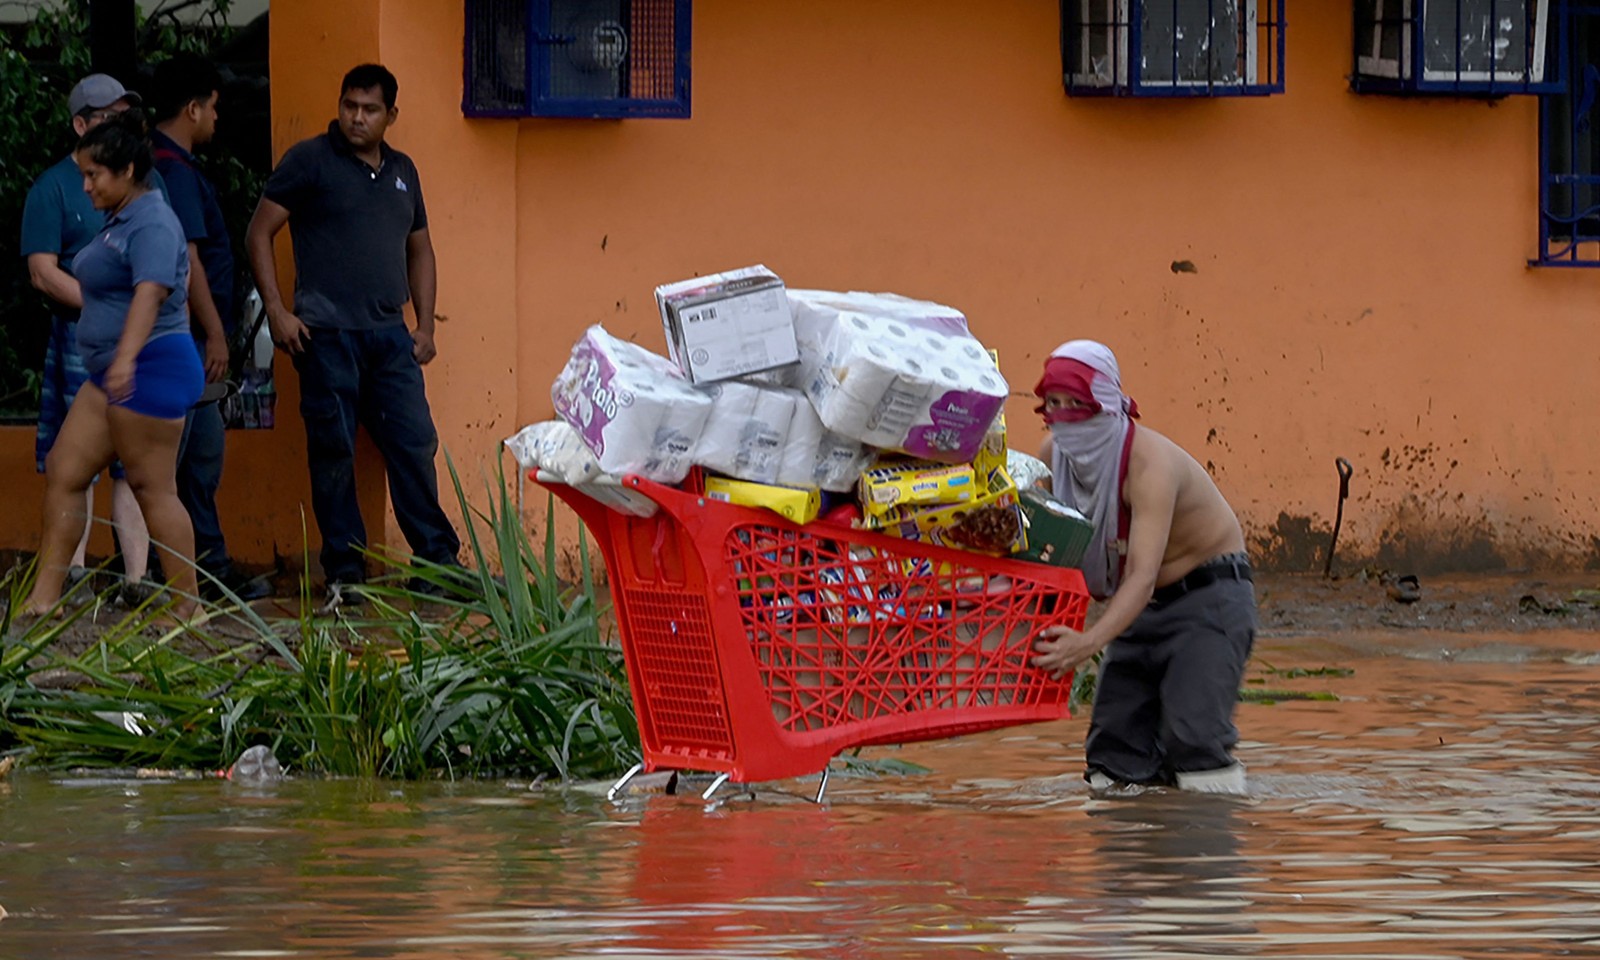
(895, 485)
(801, 506)
(991, 523)
(992, 455)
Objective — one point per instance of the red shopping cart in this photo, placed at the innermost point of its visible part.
(758, 650)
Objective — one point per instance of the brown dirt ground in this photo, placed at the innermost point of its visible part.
(1299, 606)
(1303, 605)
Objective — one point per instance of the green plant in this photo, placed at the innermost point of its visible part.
(503, 675)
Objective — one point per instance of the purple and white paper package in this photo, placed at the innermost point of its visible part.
(897, 373)
(632, 407)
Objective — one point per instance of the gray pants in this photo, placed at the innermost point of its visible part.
(1168, 687)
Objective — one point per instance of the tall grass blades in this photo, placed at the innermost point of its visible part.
(449, 672)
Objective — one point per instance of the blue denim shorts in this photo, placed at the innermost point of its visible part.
(63, 374)
(167, 378)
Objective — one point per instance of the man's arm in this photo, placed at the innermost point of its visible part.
(423, 276)
(204, 309)
(288, 332)
(1152, 495)
(44, 270)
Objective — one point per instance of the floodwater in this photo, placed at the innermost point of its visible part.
(1448, 805)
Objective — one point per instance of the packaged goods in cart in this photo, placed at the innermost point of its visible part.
(889, 487)
(815, 456)
(1057, 534)
(633, 410)
(990, 523)
(728, 324)
(1027, 471)
(748, 432)
(798, 505)
(992, 453)
(555, 449)
(897, 373)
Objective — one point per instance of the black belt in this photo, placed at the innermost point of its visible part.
(1202, 576)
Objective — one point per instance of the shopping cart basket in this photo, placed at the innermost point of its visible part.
(758, 649)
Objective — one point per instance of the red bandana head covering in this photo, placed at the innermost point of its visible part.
(1076, 379)
(1092, 446)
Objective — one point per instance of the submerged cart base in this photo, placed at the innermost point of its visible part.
(759, 649)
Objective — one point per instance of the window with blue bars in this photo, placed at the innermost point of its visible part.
(1172, 48)
(1457, 47)
(577, 58)
(1569, 150)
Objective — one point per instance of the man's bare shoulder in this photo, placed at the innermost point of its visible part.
(1203, 524)
(1152, 450)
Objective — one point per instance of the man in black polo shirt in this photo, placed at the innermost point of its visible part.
(187, 90)
(361, 250)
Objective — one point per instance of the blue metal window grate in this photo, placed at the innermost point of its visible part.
(1457, 47)
(1172, 48)
(577, 58)
(1569, 151)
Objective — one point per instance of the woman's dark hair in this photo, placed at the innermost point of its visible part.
(118, 142)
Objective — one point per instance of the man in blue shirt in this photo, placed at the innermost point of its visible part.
(354, 209)
(187, 89)
(58, 220)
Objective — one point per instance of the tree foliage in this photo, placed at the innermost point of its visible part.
(39, 63)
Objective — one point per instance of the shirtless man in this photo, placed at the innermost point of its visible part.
(1168, 554)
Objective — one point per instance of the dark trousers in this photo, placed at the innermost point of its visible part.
(1168, 687)
(199, 476)
(369, 377)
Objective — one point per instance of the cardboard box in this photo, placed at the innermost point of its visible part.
(801, 506)
(728, 324)
(1057, 534)
(896, 485)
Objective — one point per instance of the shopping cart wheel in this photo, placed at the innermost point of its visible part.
(715, 786)
(616, 788)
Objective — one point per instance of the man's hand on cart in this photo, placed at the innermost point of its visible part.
(1060, 650)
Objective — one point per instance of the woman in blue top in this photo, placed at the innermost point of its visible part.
(144, 370)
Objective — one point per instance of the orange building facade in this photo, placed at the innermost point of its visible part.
(1357, 281)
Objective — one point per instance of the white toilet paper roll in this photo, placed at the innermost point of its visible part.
(762, 445)
(631, 409)
(732, 404)
(797, 466)
(682, 420)
(839, 462)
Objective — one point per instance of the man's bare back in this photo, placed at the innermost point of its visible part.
(1203, 525)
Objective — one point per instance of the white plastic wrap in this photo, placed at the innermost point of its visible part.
(897, 373)
(632, 408)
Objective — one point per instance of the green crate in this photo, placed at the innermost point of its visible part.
(1057, 534)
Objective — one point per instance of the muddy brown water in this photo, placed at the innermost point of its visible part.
(1448, 805)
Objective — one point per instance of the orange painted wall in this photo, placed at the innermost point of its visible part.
(1362, 287)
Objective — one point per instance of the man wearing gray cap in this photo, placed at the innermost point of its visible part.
(58, 220)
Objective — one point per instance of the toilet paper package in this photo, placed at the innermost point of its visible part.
(747, 433)
(558, 453)
(815, 456)
(631, 407)
(897, 373)
(555, 448)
